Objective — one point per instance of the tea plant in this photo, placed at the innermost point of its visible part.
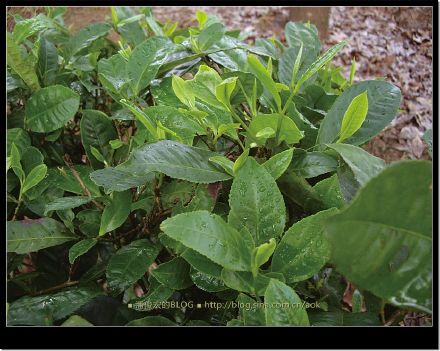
(187, 177)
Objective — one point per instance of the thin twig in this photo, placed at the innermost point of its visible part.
(69, 164)
(57, 287)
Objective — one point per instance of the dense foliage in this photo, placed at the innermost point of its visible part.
(187, 177)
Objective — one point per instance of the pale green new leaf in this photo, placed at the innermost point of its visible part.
(18, 64)
(35, 176)
(354, 116)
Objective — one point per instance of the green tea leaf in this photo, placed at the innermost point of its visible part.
(173, 274)
(116, 212)
(319, 63)
(210, 35)
(261, 73)
(312, 164)
(80, 248)
(263, 252)
(279, 293)
(183, 90)
(31, 235)
(67, 202)
(96, 131)
(256, 203)
(303, 250)
(288, 130)
(145, 61)
(354, 116)
(76, 321)
(383, 103)
(130, 263)
(278, 163)
(19, 65)
(35, 176)
(383, 241)
(43, 310)
(50, 108)
(85, 37)
(209, 235)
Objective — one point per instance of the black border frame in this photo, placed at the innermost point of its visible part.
(239, 337)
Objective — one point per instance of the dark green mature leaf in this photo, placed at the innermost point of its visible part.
(303, 250)
(43, 310)
(30, 158)
(157, 293)
(31, 235)
(173, 274)
(207, 282)
(19, 65)
(97, 130)
(67, 202)
(116, 212)
(209, 235)
(130, 263)
(359, 166)
(297, 33)
(279, 293)
(174, 159)
(278, 163)
(320, 62)
(27, 27)
(63, 178)
(80, 248)
(231, 57)
(383, 103)
(312, 164)
(287, 61)
(145, 61)
(112, 73)
(256, 203)
(47, 61)
(50, 108)
(205, 274)
(85, 37)
(329, 192)
(119, 179)
(249, 313)
(246, 282)
(383, 241)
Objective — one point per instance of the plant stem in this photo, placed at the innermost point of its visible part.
(69, 164)
(57, 287)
